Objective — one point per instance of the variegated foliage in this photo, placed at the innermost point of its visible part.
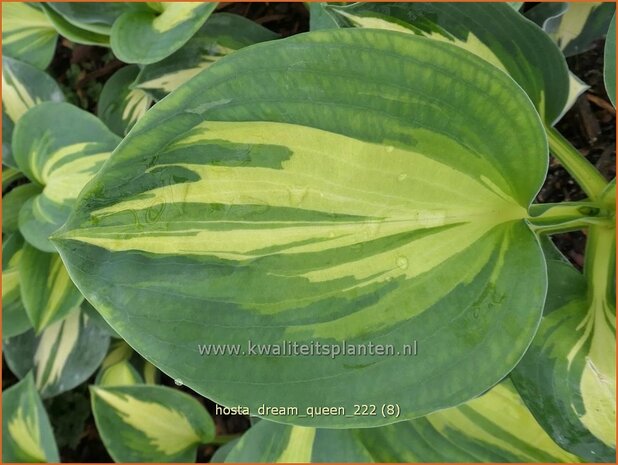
(63, 356)
(140, 423)
(26, 433)
(339, 222)
(496, 427)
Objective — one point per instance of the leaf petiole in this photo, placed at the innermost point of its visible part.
(586, 175)
(553, 218)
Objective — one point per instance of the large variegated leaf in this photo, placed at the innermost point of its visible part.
(14, 317)
(12, 203)
(149, 36)
(610, 61)
(27, 34)
(222, 34)
(494, 31)
(568, 376)
(63, 356)
(73, 32)
(59, 147)
(48, 293)
(27, 435)
(150, 423)
(23, 86)
(296, 192)
(496, 427)
(120, 106)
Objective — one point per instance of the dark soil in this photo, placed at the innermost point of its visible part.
(82, 71)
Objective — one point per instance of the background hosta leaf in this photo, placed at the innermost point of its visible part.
(313, 200)
(544, 13)
(116, 369)
(26, 433)
(574, 26)
(320, 17)
(222, 452)
(576, 88)
(610, 61)
(119, 374)
(147, 37)
(496, 427)
(98, 320)
(10, 176)
(119, 351)
(12, 203)
(63, 356)
(72, 32)
(150, 423)
(568, 377)
(23, 86)
(27, 34)
(7, 133)
(59, 147)
(119, 105)
(93, 16)
(14, 318)
(494, 31)
(222, 34)
(48, 293)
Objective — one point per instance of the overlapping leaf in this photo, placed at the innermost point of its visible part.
(10, 176)
(26, 432)
(496, 427)
(150, 423)
(14, 317)
(568, 376)
(222, 34)
(149, 36)
(493, 31)
(48, 294)
(574, 26)
(120, 374)
(610, 62)
(27, 34)
(23, 86)
(93, 16)
(73, 32)
(320, 17)
(297, 192)
(98, 320)
(59, 147)
(12, 203)
(63, 356)
(121, 106)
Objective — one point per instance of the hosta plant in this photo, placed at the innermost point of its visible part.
(371, 183)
